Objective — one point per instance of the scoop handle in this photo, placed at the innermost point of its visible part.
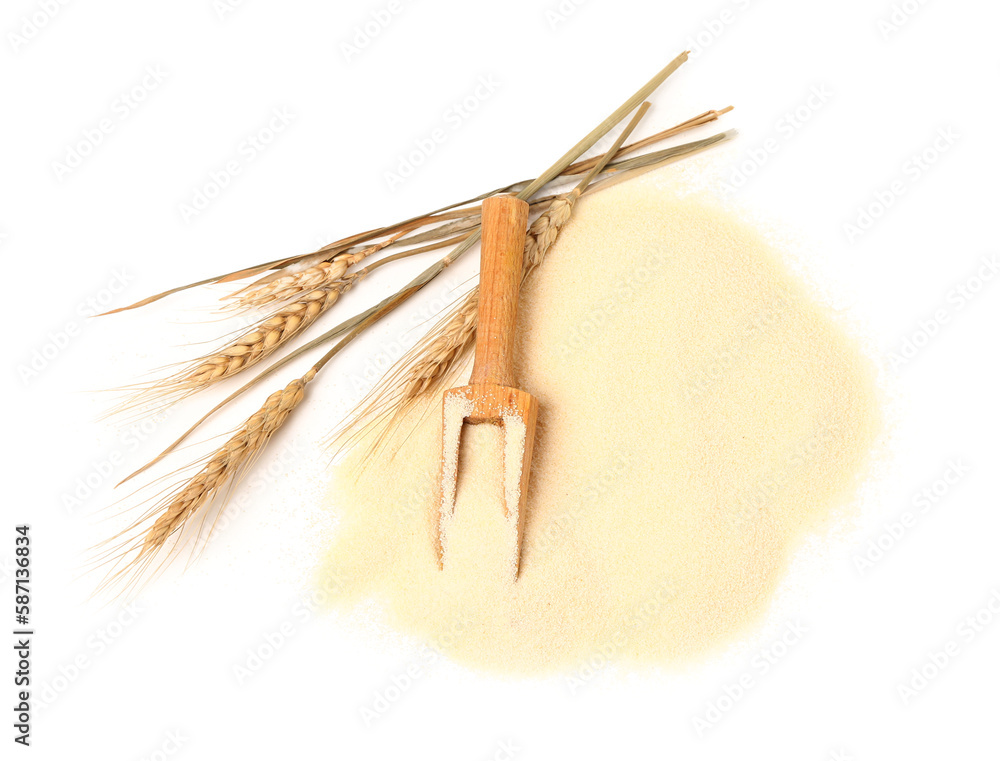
(505, 224)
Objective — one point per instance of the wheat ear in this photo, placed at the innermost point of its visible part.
(272, 289)
(289, 287)
(446, 348)
(190, 500)
(266, 338)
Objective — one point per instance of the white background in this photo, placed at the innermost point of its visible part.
(896, 75)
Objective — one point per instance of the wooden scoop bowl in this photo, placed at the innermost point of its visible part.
(491, 396)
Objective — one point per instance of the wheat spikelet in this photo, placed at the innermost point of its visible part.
(273, 290)
(189, 501)
(446, 349)
(543, 232)
(263, 340)
(291, 286)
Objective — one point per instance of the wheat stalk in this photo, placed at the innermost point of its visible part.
(190, 500)
(225, 463)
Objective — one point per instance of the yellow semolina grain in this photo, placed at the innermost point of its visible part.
(701, 415)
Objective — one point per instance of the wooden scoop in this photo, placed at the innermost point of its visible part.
(491, 396)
